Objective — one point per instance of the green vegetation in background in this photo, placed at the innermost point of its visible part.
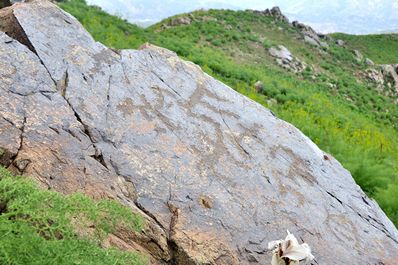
(329, 102)
(44, 227)
(380, 48)
(108, 29)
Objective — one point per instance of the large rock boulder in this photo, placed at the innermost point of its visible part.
(340, 43)
(285, 59)
(376, 76)
(310, 35)
(390, 72)
(385, 79)
(358, 55)
(274, 12)
(180, 21)
(216, 174)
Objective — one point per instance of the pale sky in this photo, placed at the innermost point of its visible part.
(351, 16)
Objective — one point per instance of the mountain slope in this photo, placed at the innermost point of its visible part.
(331, 101)
(355, 16)
(382, 48)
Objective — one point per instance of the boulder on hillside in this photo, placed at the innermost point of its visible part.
(369, 62)
(277, 14)
(259, 86)
(305, 29)
(340, 43)
(180, 21)
(216, 175)
(358, 55)
(281, 52)
(376, 76)
(285, 59)
(385, 78)
(311, 40)
(274, 12)
(310, 35)
(390, 73)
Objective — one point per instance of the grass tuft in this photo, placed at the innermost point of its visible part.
(44, 227)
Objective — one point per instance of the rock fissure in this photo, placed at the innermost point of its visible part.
(381, 229)
(236, 141)
(31, 93)
(151, 216)
(171, 245)
(108, 104)
(21, 142)
(11, 26)
(164, 82)
(62, 86)
(334, 197)
(9, 121)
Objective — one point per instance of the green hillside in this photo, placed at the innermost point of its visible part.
(381, 48)
(330, 101)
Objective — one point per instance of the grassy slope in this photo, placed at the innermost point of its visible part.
(351, 121)
(42, 227)
(381, 48)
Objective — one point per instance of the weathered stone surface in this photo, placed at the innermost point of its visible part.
(385, 79)
(274, 12)
(285, 59)
(369, 62)
(216, 174)
(281, 52)
(41, 136)
(311, 40)
(358, 55)
(376, 77)
(311, 36)
(180, 21)
(390, 73)
(340, 42)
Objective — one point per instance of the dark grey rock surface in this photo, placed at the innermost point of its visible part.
(216, 174)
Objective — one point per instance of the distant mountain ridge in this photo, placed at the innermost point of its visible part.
(355, 17)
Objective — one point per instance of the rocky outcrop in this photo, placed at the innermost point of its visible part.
(285, 59)
(216, 175)
(369, 62)
(390, 73)
(178, 21)
(340, 43)
(358, 55)
(310, 35)
(385, 78)
(376, 76)
(274, 12)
